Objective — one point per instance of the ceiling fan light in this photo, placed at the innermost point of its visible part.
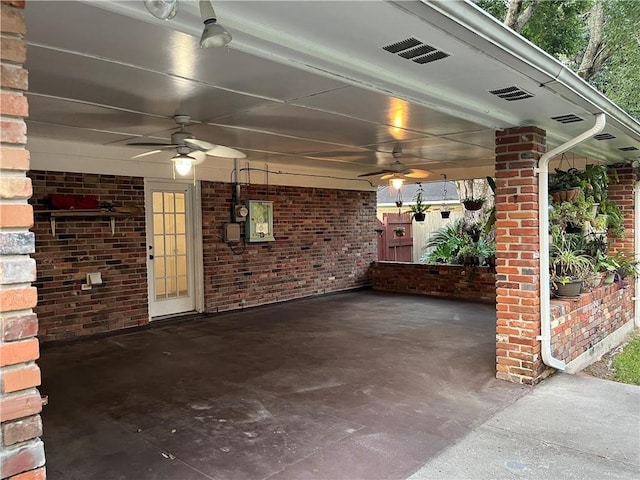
(162, 9)
(396, 182)
(183, 163)
(214, 34)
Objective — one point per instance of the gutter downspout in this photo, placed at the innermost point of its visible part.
(636, 298)
(543, 219)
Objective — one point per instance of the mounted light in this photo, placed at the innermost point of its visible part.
(214, 34)
(396, 182)
(162, 9)
(182, 163)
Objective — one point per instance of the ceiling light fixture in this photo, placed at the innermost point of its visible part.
(162, 9)
(396, 182)
(214, 34)
(183, 164)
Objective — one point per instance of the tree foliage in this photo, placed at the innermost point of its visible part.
(598, 39)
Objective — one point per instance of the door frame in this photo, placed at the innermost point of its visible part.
(197, 247)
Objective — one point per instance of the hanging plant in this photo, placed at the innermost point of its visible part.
(419, 209)
(471, 202)
(399, 231)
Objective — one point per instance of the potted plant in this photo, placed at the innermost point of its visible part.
(468, 253)
(595, 182)
(627, 265)
(470, 201)
(445, 213)
(564, 185)
(569, 266)
(473, 204)
(572, 216)
(419, 208)
(399, 231)
(607, 265)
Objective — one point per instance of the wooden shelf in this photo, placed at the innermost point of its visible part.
(55, 214)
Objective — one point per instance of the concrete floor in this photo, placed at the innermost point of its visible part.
(361, 385)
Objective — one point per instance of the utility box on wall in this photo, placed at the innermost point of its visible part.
(232, 232)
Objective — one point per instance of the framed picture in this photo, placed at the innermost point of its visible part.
(260, 221)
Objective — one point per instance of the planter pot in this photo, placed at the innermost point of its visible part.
(571, 228)
(473, 205)
(445, 213)
(419, 217)
(571, 289)
(398, 234)
(565, 195)
(609, 278)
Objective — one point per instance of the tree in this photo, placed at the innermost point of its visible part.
(598, 39)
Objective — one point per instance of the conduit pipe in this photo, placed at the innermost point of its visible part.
(543, 219)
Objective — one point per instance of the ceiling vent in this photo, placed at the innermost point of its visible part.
(569, 118)
(604, 136)
(511, 94)
(416, 51)
(628, 149)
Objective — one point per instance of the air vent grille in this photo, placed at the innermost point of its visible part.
(416, 51)
(604, 136)
(569, 118)
(511, 94)
(628, 149)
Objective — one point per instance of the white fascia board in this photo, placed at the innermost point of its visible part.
(472, 25)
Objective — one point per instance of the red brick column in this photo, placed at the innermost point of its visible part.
(622, 192)
(518, 356)
(21, 450)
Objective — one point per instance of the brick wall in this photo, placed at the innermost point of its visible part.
(579, 324)
(447, 281)
(325, 242)
(83, 245)
(518, 354)
(21, 450)
(621, 192)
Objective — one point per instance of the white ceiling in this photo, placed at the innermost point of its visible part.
(303, 86)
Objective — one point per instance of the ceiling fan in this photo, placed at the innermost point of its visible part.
(398, 172)
(189, 150)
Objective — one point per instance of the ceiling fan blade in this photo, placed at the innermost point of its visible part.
(150, 152)
(196, 144)
(225, 152)
(149, 144)
(390, 175)
(417, 173)
(380, 172)
(198, 156)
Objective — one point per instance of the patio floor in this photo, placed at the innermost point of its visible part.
(359, 385)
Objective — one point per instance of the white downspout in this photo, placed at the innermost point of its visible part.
(543, 219)
(636, 225)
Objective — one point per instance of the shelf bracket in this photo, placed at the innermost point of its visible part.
(53, 226)
(113, 226)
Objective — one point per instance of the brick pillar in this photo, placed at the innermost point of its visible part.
(21, 450)
(622, 192)
(518, 355)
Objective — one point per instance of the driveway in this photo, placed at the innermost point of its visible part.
(359, 385)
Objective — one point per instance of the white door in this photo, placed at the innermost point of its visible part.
(170, 252)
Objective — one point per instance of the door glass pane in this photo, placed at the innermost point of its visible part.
(169, 202)
(169, 223)
(158, 244)
(158, 226)
(157, 202)
(180, 203)
(181, 221)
